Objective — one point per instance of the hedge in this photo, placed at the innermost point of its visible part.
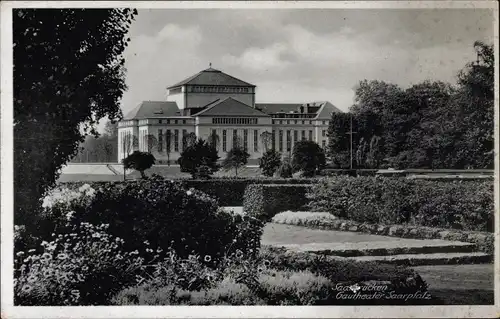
(264, 201)
(230, 191)
(459, 204)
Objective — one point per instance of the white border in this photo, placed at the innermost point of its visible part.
(6, 93)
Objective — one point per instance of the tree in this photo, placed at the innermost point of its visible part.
(68, 74)
(111, 129)
(270, 162)
(235, 158)
(373, 158)
(266, 138)
(129, 143)
(475, 101)
(214, 140)
(188, 140)
(168, 145)
(104, 149)
(307, 157)
(285, 170)
(151, 142)
(361, 153)
(338, 139)
(200, 154)
(139, 161)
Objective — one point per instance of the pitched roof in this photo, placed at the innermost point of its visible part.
(212, 76)
(151, 109)
(230, 107)
(321, 109)
(326, 110)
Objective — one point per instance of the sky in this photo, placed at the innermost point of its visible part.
(300, 55)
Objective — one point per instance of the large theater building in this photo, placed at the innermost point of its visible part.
(216, 106)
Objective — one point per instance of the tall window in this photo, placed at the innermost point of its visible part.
(288, 141)
(255, 140)
(160, 140)
(245, 140)
(281, 141)
(310, 135)
(168, 137)
(323, 144)
(176, 140)
(295, 136)
(184, 134)
(235, 138)
(303, 135)
(224, 140)
(273, 139)
(323, 133)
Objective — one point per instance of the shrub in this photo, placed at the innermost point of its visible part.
(140, 161)
(264, 201)
(464, 205)
(308, 157)
(199, 159)
(85, 266)
(285, 170)
(269, 162)
(161, 213)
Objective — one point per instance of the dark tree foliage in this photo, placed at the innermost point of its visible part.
(285, 170)
(428, 125)
(307, 157)
(269, 162)
(68, 74)
(235, 158)
(200, 158)
(139, 161)
(338, 139)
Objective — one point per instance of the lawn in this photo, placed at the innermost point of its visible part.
(275, 234)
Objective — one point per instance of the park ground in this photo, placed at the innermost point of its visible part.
(457, 284)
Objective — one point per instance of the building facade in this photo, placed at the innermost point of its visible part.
(217, 107)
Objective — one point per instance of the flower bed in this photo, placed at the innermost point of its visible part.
(279, 277)
(156, 211)
(464, 205)
(484, 240)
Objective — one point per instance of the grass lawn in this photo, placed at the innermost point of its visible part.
(464, 297)
(173, 172)
(289, 234)
(458, 276)
(460, 284)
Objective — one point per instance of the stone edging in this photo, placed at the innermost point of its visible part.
(484, 241)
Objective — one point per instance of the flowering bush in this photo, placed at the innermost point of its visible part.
(160, 212)
(86, 266)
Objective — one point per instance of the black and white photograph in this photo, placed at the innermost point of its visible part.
(249, 154)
